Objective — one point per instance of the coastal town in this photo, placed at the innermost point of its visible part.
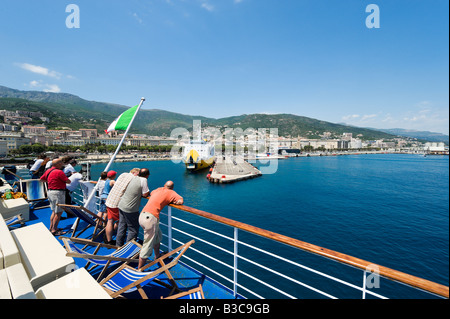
(18, 138)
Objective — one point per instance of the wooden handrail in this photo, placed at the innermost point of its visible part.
(392, 274)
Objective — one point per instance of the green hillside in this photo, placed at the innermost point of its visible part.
(66, 110)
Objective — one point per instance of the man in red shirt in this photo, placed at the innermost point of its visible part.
(57, 181)
(149, 220)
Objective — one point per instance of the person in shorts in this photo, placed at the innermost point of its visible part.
(105, 184)
(57, 181)
(128, 228)
(149, 220)
(113, 199)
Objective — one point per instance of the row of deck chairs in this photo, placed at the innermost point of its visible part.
(125, 279)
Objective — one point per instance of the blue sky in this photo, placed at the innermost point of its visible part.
(220, 58)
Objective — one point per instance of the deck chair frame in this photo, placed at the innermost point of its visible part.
(199, 290)
(94, 255)
(163, 269)
(89, 217)
(15, 220)
(24, 188)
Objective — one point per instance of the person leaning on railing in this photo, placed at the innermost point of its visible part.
(149, 220)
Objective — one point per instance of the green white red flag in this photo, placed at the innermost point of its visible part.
(123, 120)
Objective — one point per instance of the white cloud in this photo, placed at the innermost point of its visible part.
(34, 84)
(368, 117)
(424, 116)
(207, 6)
(350, 117)
(137, 18)
(52, 88)
(39, 70)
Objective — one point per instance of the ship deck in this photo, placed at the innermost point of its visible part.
(185, 276)
(188, 277)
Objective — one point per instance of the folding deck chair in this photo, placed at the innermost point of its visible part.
(127, 253)
(196, 293)
(87, 216)
(14, 221)
(126, 279)
(36, 191)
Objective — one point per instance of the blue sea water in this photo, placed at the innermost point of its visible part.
(389, 209)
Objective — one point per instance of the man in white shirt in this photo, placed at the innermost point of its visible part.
(129, 207)
(68, 169)
(35, 170)
(75, 179)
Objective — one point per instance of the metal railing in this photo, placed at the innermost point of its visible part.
(370, 272)
(221, 257)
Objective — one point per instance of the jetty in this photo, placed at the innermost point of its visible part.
(231, 170)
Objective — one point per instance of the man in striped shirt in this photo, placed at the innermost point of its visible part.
(112, 202)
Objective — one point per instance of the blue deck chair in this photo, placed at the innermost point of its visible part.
(36, 191)
(87, 216)
(196, 293)
(126, 279)
(127, 253)
(14, 221)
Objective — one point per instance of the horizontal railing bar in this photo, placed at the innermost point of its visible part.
(231, 281)
(267, 285)
(210, 257)
(250, 291)
(283, 259)
(334, 255)
(206, 242)
(310, 269)
(243, 258)
(196, 262)
(207, 268)
(202, 228)
(287, 277)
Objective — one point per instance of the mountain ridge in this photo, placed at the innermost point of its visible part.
(160, 122)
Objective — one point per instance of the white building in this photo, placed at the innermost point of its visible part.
(434, 147)
(14, 141)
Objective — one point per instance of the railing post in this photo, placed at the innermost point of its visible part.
(235, 273)
(364, 285)
(169, 231)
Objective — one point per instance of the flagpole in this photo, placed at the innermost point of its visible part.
(86, 204)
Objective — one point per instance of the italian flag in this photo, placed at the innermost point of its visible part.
(124, 119)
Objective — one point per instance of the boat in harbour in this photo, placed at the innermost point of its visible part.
(198, 155)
